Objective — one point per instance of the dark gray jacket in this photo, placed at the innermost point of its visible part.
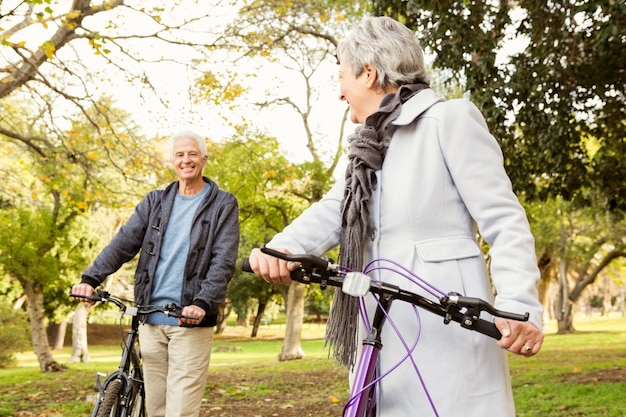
(212, 251)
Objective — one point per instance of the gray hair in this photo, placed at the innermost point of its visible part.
(187, 134)
(388, 46)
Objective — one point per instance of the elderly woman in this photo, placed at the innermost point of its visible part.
(424, 174)
(188, 236)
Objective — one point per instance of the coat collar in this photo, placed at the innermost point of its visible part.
(415, 106)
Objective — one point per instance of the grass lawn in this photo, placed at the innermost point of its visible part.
(583, 374)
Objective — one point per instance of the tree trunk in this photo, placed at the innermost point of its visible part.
(257, 319)
(80, 347)
(242, 320)
(543, 288)
(292, 348)
(59, 339)
(544, 263)
(39, 337)
(606, 295)
(564, 305)
(222, 315)
(566, 321)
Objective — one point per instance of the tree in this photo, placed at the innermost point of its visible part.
(251, 166)
(76, 49)
(101, 223)
(62, 175)
(297, 38)
(543, 102)
(57, 59)
(587, 243)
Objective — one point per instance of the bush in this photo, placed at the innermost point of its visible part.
(14, 334)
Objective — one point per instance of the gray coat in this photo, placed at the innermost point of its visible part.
(214, 241)
(442, 179)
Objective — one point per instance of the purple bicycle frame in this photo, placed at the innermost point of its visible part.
(362, 396)
(363, 393)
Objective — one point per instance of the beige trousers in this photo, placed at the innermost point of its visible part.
(175, 368)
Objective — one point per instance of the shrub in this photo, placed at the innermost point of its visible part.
(14, 334)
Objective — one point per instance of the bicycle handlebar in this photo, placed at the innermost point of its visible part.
(170, 309)
(453, 307)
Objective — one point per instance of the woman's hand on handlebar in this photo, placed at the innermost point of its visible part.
(270, 268)
(522, 338)
(85, 290)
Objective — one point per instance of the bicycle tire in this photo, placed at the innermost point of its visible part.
(110, 401)
(136, 403)
(136, 406)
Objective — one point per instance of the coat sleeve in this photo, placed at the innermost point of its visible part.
(475, 162)
(123, 247)
(317, 229)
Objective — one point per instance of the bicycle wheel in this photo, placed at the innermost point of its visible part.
(110, 401)
(136, 402)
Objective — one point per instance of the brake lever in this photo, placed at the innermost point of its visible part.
(174, 310)
(473, 307)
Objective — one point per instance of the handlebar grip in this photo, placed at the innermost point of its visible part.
(488, 328)
(245, 265)
(96, 296)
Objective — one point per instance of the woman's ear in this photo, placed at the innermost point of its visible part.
(371, 76)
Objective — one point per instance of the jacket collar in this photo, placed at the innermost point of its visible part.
(415, 106)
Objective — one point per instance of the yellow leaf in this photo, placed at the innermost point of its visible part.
(48, 48)
(73, 14)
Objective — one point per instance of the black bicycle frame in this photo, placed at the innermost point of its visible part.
(130, 355)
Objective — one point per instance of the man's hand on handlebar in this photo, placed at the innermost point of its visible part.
(85, 290)
(522, 338)
(270, 268)
(192, 315)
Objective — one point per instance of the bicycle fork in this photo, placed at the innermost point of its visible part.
(362, 401)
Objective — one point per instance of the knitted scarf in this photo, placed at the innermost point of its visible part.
(368, 146)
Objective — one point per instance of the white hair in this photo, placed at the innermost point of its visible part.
(187, 134)
(388, 46)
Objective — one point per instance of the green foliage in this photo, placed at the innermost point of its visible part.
(318, 301)
(544, 101)
(271, 192)
(63, 175)
(567, 82)
(14, 335)
(45, 240)
(250, 165)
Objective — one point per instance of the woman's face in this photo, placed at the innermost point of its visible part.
(187, 160)
(359, 92)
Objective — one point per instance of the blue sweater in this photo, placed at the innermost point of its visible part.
(168, 278)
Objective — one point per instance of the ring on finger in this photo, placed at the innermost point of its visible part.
(527, 348)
